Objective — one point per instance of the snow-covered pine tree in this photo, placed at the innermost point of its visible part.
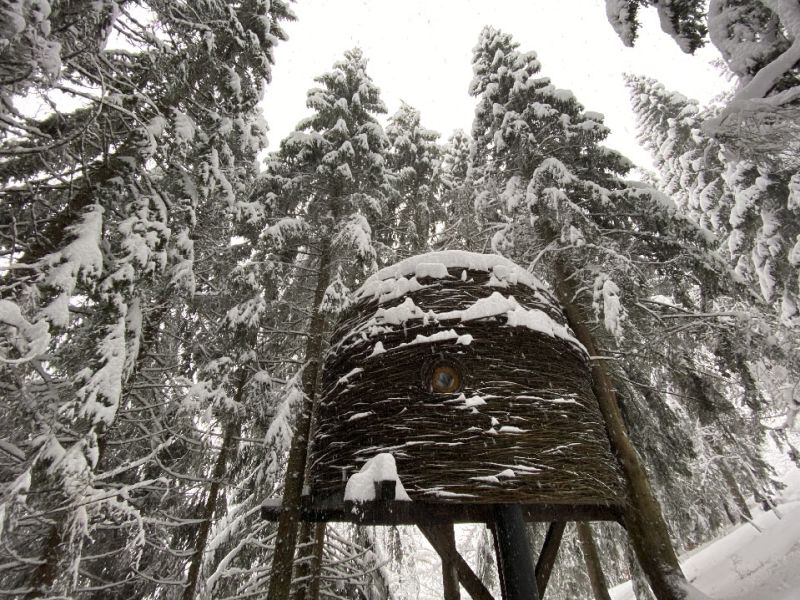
(759, 42)
(456, 159)
(608, 246)
(100, 205)
(248, 321)
(413, 200)
(740, 182)
(744, 192)
(688, 161)
(681, 19)
(758, 128)
(461, 230)
(329, 179)
(764, 237)
(37, 41)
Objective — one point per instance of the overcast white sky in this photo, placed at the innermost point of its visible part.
(419, 51)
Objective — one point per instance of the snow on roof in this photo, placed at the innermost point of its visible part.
(435, 264)
(491, 306)
(401, 279)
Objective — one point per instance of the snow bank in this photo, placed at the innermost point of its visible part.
(361, 486)
(747, 564)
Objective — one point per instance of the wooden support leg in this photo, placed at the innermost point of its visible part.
(503, 594)
(514, 559)
(596, 577)
(471, 582)
(452, 591)
(547, 557)
(449, 572)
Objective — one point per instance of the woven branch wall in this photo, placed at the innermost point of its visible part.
(514, 419)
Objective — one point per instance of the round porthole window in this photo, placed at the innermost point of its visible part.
(443, 376)
(445, 380)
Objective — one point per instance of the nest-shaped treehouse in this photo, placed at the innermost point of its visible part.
(461, 366)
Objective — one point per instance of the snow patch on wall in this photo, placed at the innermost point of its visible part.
(361, 486)
(493, 306)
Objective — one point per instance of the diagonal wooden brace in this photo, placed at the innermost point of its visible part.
(440, 537)
(547, 557)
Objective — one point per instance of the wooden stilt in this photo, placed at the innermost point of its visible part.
(548, 555)
(493, 529)
(596, 577)
(449, 572)
(514, 559)
(450, 582)
(471, 582)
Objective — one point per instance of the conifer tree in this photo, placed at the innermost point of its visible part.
(759, 42)
(750, 186)
(681, 19)
(332, 171)
(561, 206)
(689, 163)
(413, 161)
(744, 192)
(104, 240)
(461, 228)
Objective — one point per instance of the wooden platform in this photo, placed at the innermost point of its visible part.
(436, 519)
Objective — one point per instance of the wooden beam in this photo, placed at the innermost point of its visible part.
(547, 557)
(398, 512)
(514, 559)
(452, 591)
(596, 577)
(441, 543)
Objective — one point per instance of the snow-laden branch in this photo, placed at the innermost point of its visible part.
(753, 95)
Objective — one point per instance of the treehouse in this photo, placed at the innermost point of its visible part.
(453, 391)
(460, 366)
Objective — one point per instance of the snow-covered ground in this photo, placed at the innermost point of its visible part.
(747, 564)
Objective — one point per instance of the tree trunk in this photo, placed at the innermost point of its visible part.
(315, 567)
(641, 590)
(228, 445)
(309, 561)
(643, 519)
(743, 514)
(46, 573)
(301, 566)
(590, 556)
(286, 539)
